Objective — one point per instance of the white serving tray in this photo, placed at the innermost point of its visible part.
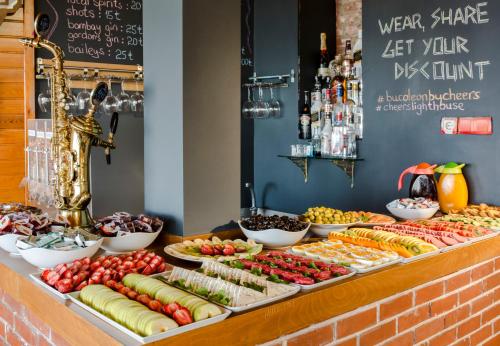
(152, 338)
(326, 282)
(418, 257)
(294, 289)
(380, 266)
(456, 246)
(487, 236)
(38, 280)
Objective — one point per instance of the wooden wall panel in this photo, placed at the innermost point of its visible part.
(13, 59)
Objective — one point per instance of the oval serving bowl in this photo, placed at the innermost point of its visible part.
(49, 258)
(274, 238)
(129, 241)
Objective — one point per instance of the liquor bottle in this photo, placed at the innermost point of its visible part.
(305, 119)
(316, 101)
(349, 130)
(358, 114)
(316, 141)
(327, 84)
(323, 70)
(347, 65)
(338, 78)
(326, 131)
(337, 138)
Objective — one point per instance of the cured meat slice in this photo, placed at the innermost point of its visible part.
(449, 241)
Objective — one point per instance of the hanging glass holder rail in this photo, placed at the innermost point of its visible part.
(271, 81)
(346, 164)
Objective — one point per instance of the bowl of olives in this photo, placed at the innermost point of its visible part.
(325, 220)
(274, 231)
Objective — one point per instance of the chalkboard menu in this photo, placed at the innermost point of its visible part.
(424, 60)
(104, 31)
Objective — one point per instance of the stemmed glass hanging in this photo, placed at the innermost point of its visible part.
(123, 99)
(44, 101)
(110, 103)
(83, 98)
(137, 100)
(274, 106)
(261, 107)
(247, 108)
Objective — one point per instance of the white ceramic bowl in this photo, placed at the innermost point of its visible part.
(8, 242)
(49, 258)
(274, 238)
(129, 242)
(411, 214)
(322, 230)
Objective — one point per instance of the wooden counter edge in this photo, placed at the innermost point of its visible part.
(269, 322)
(75, 329)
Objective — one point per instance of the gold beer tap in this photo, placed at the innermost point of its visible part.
(73, 136)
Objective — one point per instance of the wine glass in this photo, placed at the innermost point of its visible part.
(248, 105)
(83, 98)
(123, 99)
(44, 100)
(137, 100)
(110, 103)
(274, 106)
(261, 107)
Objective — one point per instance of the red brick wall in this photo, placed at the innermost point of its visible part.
(458, 309)
(19, 326)
(348, 22)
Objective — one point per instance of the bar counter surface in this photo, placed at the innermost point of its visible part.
(304, 310)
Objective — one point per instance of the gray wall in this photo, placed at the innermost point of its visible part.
(192, 122)
(211, 114)
(163, 113)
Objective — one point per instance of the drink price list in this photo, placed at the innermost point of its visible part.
(104, 31)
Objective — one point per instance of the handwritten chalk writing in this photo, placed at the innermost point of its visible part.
(441, 70)
(398, 48)
(445, 46)
(466, 15)
(108, 4)
(401, 23)
(108, 30)
(78, 2)
(93, 52)
(448, 95)
(80, 12)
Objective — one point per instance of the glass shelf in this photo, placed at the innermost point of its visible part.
(347, 164)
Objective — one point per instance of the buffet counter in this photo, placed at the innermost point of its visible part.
(319, 316)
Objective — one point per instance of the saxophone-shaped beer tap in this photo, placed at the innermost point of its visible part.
(73, 136)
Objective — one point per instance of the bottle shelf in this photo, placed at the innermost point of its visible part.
(347, 164)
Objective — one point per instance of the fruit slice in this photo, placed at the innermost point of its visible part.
(159, 325)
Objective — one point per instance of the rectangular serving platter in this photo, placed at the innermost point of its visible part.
(487, 236)
(269, 300)
(419, 257)
(152, 338)
(326, 282)
(456, 246)
(64, 296)
(380, 266)
(36, 278)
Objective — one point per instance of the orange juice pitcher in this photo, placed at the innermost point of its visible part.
(452, 189)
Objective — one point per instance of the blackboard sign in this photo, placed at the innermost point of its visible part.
(104, 31)
(424, 60)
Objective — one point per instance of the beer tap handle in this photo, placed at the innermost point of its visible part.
(112, 130)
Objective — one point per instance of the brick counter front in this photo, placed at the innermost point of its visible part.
(19, 326)
(447, 299)
(459, 309)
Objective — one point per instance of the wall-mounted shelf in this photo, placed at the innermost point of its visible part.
(303, 163)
